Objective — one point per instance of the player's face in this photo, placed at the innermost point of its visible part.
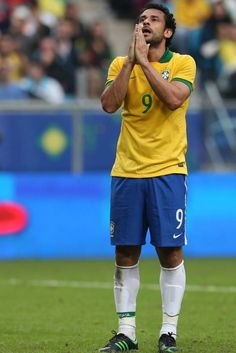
(154, 30)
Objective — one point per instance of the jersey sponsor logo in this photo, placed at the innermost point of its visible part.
(112, 229)
(165, 74)
(175, 236)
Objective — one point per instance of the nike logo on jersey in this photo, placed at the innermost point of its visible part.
(175, 236)
(131, 78)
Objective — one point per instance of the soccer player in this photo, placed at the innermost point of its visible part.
(148, 191)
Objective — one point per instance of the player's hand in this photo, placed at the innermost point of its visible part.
(141, 47)
(131, 53)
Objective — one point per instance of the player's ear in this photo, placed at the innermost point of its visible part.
(168, 32)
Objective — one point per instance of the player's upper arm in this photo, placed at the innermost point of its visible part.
(184, 89)
(184, 77)
(113, 71)
(109, 96)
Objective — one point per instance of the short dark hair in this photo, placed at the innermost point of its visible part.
(169, 17)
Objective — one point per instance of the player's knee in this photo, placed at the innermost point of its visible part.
(127, 255)
(170, 257)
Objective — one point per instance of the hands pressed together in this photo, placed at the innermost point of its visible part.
(138, 50)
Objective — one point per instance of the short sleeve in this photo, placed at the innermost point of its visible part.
(114, 69)
(185, 70)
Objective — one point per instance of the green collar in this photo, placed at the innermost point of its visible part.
(167, 56)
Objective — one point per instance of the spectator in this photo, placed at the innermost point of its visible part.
(40, 27)
(96, 58)
(53, 65)
(218, 48)
(39, 86)
(28, 27)
(9, 90)
(12, 58)
(190, 16)
(98, 52)
(227, 51)
(21, 28)
(64, 34)
(72, 14)
(209, 62)
(80, 31)
(6, 8)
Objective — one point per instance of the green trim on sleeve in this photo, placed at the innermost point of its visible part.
(108, 83)
(189, 84)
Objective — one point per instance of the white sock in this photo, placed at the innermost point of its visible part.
(126, 287)
(172, 284)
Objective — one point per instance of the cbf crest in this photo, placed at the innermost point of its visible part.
(165, 74)
(112, 229)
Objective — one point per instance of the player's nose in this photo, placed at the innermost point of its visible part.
(146, 21)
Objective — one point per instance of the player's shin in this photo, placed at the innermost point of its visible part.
(172, 285)
(126, 287)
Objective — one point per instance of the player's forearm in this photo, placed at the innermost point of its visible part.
(167, 92)
(113, 96)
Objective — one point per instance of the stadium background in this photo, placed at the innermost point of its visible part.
(55, 163)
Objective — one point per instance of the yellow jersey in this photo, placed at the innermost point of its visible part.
(152, 139)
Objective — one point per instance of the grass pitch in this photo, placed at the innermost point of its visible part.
(67, 306)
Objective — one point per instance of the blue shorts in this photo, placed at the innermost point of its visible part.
(155, 204)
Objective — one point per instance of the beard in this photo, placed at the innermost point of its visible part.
(154, 42)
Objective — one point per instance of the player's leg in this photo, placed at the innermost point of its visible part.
(167, 227)
(128, 230)
(126, 287)
(172, 285)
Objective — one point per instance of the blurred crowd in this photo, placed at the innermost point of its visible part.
(44, 46)
(46, 49)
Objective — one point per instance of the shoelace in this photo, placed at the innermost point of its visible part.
(170, 338)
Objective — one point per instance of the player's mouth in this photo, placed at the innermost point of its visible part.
(146, 30)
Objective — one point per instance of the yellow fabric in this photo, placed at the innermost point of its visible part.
(227, 49)
(15, 66)
(56, 7)
(152, 143)
(191, 13)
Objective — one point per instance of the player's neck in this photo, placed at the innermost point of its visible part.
(156, 53)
